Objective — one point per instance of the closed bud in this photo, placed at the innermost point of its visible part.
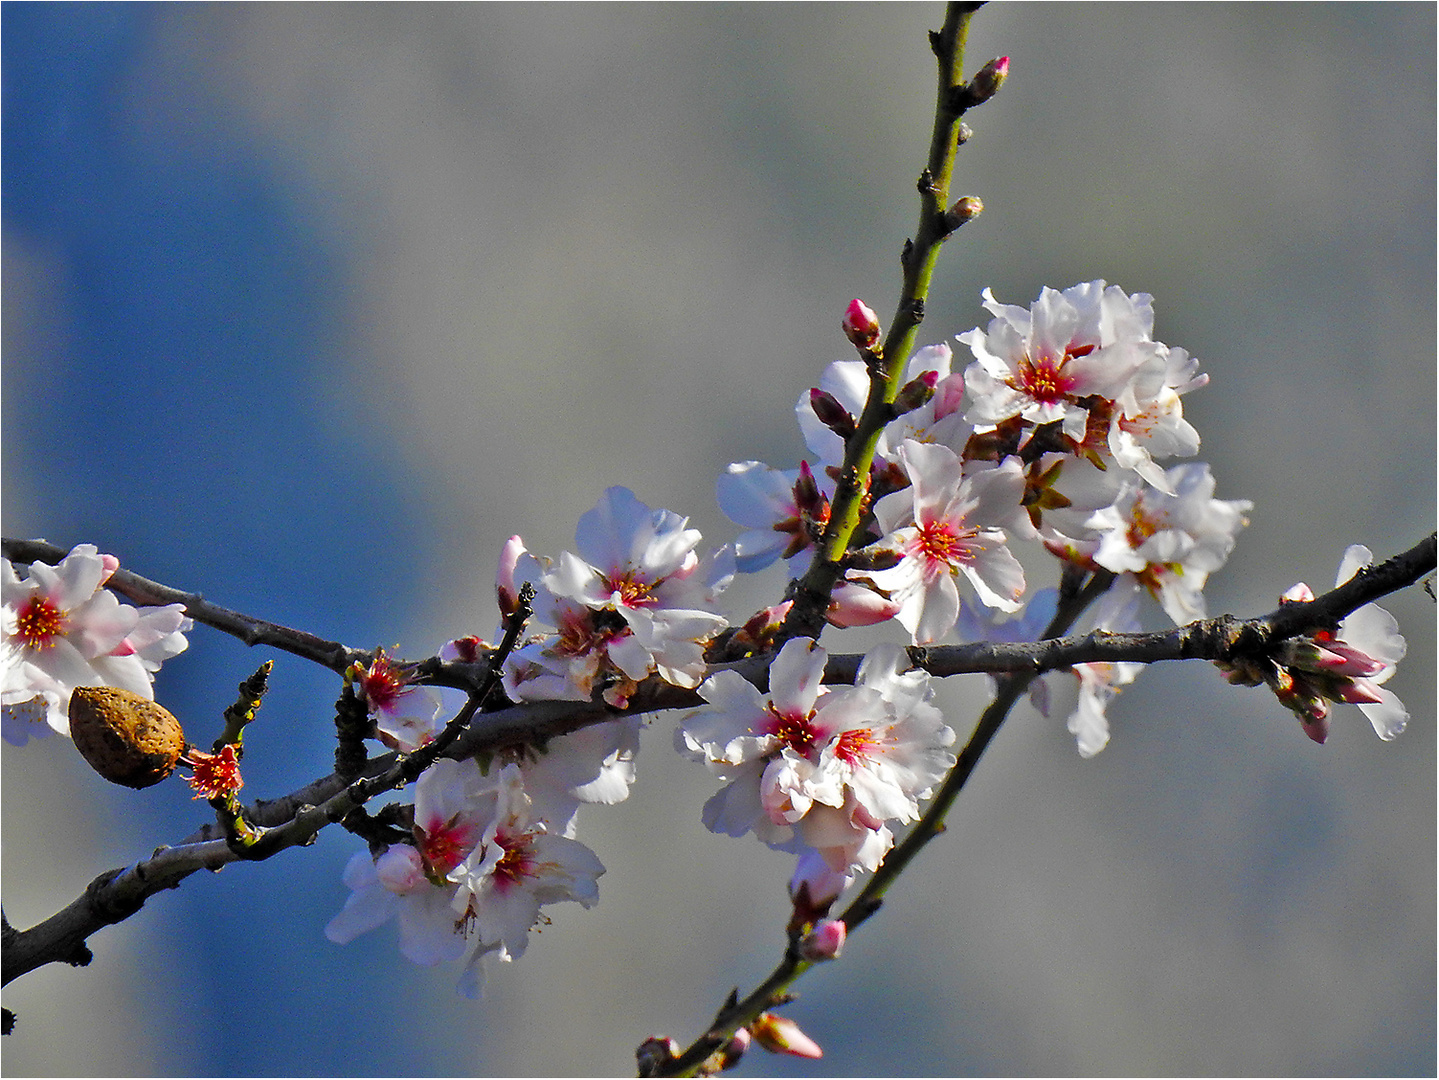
(825, 941)
(861, 325)
(505, 588)
(781, 1035)
(831, 413)
(915, 393)
(966, 209)
(988, 81)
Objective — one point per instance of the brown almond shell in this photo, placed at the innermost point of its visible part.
(126, 738)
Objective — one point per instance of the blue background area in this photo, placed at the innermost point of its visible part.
(308, 308)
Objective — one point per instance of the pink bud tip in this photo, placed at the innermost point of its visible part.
(825, 941)
(505, 589)
(781, 1035)
(861, 325)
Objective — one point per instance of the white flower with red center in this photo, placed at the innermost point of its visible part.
(519, 866)
(406, 716)
(819, 768)
(454, 803)
(948, 525)
(63, 629)
(1040, 363)
(1169, 544)
(636, 600)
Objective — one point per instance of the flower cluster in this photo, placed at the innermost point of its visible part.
(1054, 432)
(811, 768)
(1346, 664)
(64, 629)
(637, 600)
(488, 850)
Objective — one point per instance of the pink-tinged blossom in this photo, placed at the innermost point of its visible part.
(806, 766)
(1169, 544)
(395, 886)
(636, 600)
(784, 511)
(1344, 665)
(519, 866)
(848, 382)
(1153, 426)
(63, 629)
(944, 526)
(1041, 363)
(406, 716)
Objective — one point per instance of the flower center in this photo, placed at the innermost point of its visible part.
(632, 593)
(792, 729)
(1045, 379)
(941, 542)
(445, 846)
(518, 861)
(382, 684)
(1141, 526)
(39, 622)
(856, 746)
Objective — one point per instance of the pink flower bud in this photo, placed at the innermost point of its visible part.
(110, 564)
(509, 594)
(965, 210)
(861, 325)
(989, 79)
(948, 394)
(825, 941)
(915, 393)
(781, 1035)
(1317, 728)
(831, 413)
(851, 604)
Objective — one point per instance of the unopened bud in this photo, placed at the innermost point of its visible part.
(505, 588)
(851, 604)
(988, 81)
(966, 209)
(735, 1048)
(781, 1035)
(825, 941)
(915, 393)
(831, 413)
(861, 325)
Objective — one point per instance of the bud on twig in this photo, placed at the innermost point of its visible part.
(966, 209)
(915, 393)
(831, 413)
(982, 87)
(861, 325)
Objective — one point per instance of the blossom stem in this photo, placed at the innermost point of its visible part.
(247, 628)
(812, 593)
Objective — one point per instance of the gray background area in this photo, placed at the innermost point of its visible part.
(308, 308)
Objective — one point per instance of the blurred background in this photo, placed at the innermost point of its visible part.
(308, 307)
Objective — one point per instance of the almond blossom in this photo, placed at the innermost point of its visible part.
(817, 768)
(517, 867)
(1044, 363)
(636, 600)
(1346, 664)
(946, 525)
(1168, 544)
(63, 629)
